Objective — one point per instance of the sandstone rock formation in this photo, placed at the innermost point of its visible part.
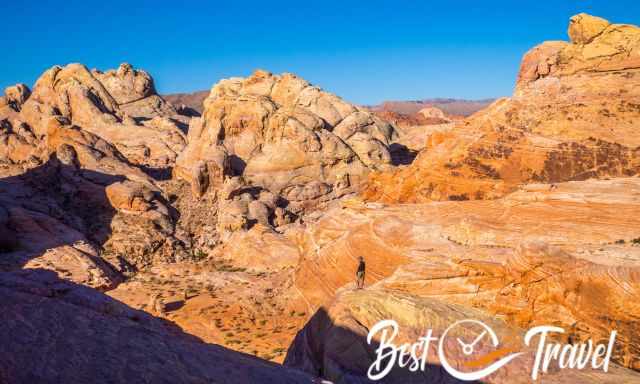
(60, 214)
(284, 135)
(75, 93)
(572, 116)
(560, 254)
(258, 231)
(134, 92)
(434, 114)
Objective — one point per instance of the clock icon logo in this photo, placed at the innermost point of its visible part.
(469, 348)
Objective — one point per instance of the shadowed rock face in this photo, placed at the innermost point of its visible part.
(83, 209)
(573, 115)
(56, 331)
(73, 202)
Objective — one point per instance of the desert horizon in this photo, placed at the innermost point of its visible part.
(269, 230)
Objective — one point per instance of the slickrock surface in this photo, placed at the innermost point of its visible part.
(562, 255)
(56, 331)
(573, 115)
(333, 344)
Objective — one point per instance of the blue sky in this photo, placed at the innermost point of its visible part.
(365, 51)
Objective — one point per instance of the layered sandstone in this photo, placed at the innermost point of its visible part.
(334, 344)
(257, 232)
(563, 255)
(573, 116)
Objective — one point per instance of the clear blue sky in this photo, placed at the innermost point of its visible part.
(365, 51)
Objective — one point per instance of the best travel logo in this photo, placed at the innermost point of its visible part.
(413, 356)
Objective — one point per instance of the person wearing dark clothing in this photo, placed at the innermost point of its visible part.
(360, 273)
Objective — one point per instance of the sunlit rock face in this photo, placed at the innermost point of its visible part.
(115, 105)
(246, 230)
(285, 135)
(73, 173)
(573, 115)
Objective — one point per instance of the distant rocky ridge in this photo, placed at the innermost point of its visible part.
(525, 258)
(188, 103)
(456, 107)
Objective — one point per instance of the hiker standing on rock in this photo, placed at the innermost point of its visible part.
(360, 273)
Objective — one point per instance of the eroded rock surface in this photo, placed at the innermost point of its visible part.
(334, 342)
(73, 202)
(246, 228)
(79, 95)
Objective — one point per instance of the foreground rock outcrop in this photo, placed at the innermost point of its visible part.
(73, 201)
(573, 115)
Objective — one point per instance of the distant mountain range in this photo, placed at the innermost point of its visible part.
(458, 107)
(190, 100)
